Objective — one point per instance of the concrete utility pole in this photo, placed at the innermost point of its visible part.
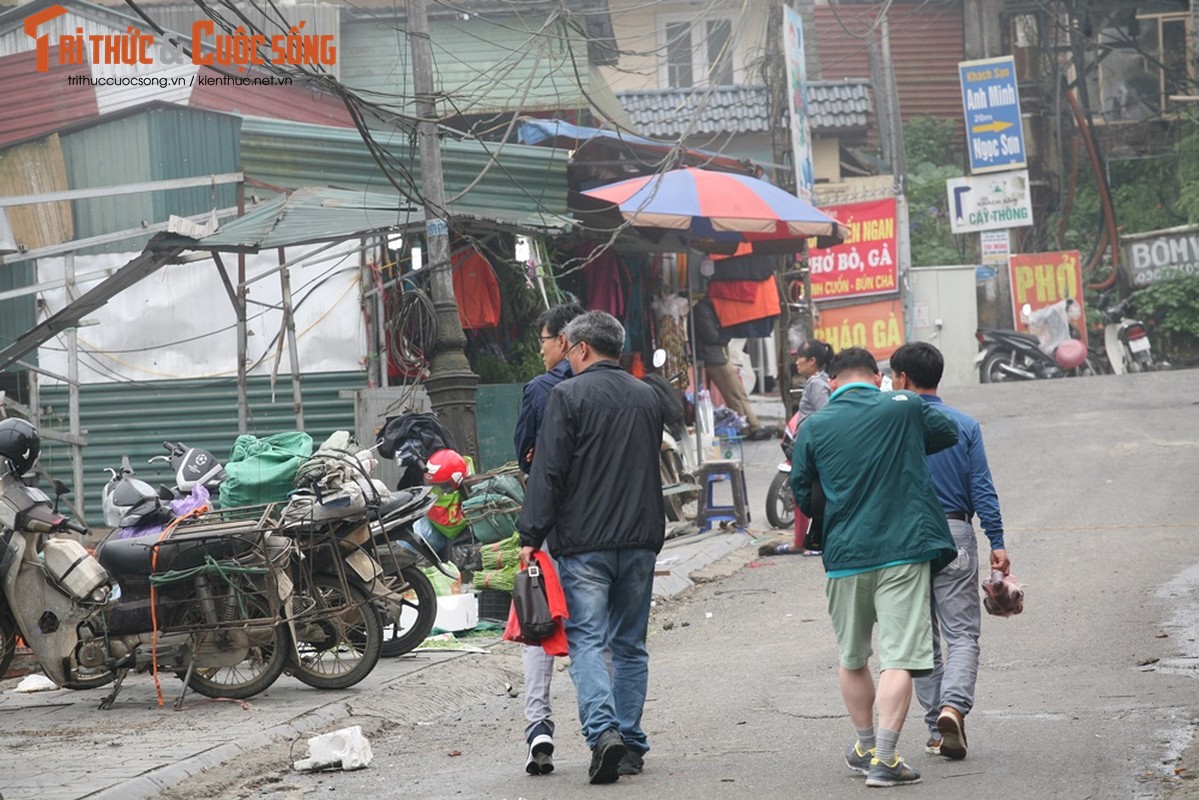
(451, 384)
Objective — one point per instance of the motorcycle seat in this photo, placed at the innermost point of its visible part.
(400, 501)
(135, 556)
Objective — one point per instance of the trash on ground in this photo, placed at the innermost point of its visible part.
(343, 749)
(35, 683)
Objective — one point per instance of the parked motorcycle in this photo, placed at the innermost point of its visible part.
(678, 459)
(780, 501)
(204, 602)
(1047, 351)
(1125, 338)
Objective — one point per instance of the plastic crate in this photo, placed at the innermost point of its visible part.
(494, 605)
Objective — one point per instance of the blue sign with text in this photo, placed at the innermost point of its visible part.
(991, 100)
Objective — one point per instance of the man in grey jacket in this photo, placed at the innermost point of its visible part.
(595, 492)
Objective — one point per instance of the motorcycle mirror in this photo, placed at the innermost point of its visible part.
(659, 358)
(60, 488)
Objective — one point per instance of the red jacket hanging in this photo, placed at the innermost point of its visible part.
(476, 289)
(554, 644)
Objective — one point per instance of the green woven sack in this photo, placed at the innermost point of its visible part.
(262, 470)
(491, 516)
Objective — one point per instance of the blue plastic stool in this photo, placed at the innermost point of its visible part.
(738, 513)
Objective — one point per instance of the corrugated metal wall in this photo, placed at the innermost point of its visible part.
(156, 143)
(497, 64)
(526, 179)
(134, 420)
(926, 46)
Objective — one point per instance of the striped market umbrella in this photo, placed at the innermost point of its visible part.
(718, 206)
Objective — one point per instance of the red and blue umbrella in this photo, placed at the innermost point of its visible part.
(719, 206)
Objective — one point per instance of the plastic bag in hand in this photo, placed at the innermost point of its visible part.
(1002, 595)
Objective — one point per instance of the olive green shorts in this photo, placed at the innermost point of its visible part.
(898, 599)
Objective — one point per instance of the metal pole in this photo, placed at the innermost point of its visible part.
(451, 384)
(239, 307)
(289, 320)
(72, 292)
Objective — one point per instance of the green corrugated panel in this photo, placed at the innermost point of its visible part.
(155, 143)
(482, 65)
(19, 314)
(134, 420)
(498, 408)
(185, 143)
(525, 185)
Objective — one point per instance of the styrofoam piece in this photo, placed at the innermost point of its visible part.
(35, 683)
(457, 612)
(344, 749)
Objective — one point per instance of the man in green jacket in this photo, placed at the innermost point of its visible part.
(884, 535)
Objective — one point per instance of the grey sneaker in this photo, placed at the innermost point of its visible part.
(857, 760)
(540, 760)
(933, 746)
(897, 774)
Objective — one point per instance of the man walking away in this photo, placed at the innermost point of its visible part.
(595, 491)
(883, 529)
(962, 480)
(538, 664)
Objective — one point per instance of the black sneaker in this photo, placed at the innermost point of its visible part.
(606, 757)
(631, 763)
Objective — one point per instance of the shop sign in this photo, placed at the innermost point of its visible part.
(991, 101)
(1041, 279)
(989, 202)
(1154, 258)
(866, 263)
(876, 326)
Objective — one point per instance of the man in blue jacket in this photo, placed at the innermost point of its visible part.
(538, 664)
(962, 479)
(884, 536)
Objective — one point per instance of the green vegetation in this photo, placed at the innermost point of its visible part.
(932, 159)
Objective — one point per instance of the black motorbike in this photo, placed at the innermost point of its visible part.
(1007, 355)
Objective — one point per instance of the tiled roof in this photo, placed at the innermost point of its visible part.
(835, 105)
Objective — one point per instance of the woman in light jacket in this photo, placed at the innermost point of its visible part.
(810, 362)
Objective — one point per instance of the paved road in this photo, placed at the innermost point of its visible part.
(1089, 694)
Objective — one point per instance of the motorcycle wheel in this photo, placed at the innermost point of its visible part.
(780, 503)
(990, 371)
(417, 614)
(680, 506)
(8, 642)
(339, 639)
(263, 663)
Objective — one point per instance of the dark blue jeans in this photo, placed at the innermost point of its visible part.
(608, 594)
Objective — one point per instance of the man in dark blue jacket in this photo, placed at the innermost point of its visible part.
(962, 479)
(595, 492)
(538, 664)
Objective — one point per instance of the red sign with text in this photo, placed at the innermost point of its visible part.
(1042, 279)
(866, 263)
(876, 326)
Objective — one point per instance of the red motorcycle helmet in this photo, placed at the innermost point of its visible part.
(1071, 354)
(445, 467)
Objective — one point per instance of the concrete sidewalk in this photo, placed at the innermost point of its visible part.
(58, 745)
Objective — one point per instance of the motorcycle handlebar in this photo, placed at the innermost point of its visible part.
(75, 527)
